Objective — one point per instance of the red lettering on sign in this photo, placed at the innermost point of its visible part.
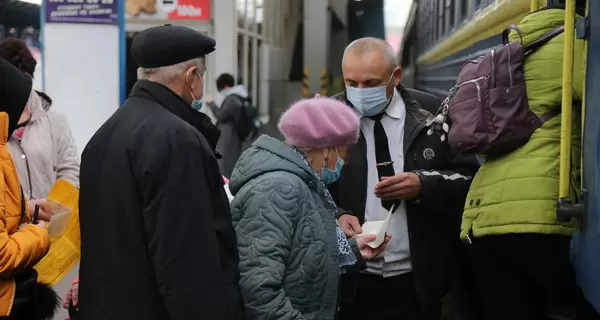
(191, 10)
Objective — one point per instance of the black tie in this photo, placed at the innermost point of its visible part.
(385, 165)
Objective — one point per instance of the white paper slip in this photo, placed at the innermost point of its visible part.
(60, 218)
(378, 228)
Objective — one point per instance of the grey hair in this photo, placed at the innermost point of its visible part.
(367, 45)
(165, 75)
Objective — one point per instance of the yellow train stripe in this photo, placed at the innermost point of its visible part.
(490, 22)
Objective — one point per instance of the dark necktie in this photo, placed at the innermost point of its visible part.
(385, 165)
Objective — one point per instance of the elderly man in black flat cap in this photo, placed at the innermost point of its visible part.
(156, 236)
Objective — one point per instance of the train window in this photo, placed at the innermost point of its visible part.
(449, 15)
(440, 19)
(464, 10)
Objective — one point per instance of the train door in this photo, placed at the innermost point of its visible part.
(586, 245)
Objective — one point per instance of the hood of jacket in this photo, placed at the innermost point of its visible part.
(39, 104)
(266, 155)
(538, 23)
(240, 90)
(46, 101)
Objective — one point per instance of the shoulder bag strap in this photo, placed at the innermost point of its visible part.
(543, 39)
(506, 32)
(23, 205)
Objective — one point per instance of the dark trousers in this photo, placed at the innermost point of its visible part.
(525, 277)
(379, 298)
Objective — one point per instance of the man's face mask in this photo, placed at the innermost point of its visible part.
(197, 103)
(369, 101)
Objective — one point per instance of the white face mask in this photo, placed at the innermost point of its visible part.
(369, 101)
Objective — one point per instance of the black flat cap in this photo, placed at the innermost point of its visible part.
(168, 45)
(15, 89)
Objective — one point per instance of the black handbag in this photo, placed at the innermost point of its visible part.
(33, 300)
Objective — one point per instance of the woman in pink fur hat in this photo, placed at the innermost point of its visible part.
(292, 250)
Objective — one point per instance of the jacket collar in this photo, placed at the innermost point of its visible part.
(153, 91)
(416, 117)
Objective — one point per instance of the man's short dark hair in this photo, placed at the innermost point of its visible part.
(224, 81)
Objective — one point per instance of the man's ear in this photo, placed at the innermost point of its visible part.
(189, 76)
(397, 76)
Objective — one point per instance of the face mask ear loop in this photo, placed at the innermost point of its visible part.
(326, 160)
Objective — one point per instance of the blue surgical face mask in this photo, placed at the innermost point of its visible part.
(330, 176)
(197, 103)
(369, 101)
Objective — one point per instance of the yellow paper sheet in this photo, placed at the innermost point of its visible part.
(65, 251)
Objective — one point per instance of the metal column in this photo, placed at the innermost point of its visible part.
(317, 27)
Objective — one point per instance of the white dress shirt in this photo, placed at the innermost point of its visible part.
(395, 260)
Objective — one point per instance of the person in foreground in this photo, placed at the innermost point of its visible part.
(291, 249)
(22, 244)
(521, 251)
(396, 164)
(156, 236)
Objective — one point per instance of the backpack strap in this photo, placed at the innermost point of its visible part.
(543, 39)
(553, 113)
(507, 31)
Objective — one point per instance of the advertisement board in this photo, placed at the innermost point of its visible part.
(81, 11)
(167, 9)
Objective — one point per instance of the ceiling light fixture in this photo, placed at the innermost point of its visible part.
(38, 2)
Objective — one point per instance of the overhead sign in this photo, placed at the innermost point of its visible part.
(168, 9)
(81, 11)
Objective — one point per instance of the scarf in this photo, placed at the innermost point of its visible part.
(345, 255)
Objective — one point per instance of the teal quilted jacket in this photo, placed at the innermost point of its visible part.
(286, 236)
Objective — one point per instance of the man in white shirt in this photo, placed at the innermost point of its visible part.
(396, 167)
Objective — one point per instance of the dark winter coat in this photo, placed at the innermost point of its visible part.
(156, 236)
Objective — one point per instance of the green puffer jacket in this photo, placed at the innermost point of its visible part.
(517, 193)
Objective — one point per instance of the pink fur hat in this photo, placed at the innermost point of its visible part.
(319, 123)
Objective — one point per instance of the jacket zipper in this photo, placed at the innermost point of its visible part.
(476, 83)
(493, 67)
(24, 157)
(510, 75)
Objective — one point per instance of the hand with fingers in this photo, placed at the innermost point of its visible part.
(42, 215)
(403, 186)
(72, 295)
(350, 225)
(367, 252)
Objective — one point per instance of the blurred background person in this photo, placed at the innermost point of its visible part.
(42, 146)
(21, 245)
(231, 120)
(292, 250)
